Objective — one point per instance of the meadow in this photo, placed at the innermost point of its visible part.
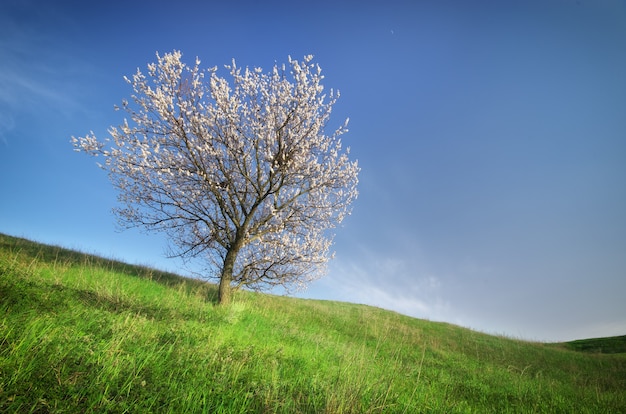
(81, 333)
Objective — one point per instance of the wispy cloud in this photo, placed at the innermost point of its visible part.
(37, 74)
(391, 282)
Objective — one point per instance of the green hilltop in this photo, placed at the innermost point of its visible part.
(79, 333)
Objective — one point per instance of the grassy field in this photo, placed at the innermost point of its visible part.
(80, 334)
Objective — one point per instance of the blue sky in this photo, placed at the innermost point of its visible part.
(491, 137)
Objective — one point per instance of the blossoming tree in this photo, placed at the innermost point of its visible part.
(241, 174)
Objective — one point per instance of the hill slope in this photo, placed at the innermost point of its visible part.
(82, 334)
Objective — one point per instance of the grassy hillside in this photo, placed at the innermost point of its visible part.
(84, 334)
(612, 345)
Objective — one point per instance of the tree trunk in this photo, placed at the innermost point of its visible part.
(225, 288)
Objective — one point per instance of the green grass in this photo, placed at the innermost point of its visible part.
(80, 333)
(612, 345)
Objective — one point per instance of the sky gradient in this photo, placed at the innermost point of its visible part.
(491, 137)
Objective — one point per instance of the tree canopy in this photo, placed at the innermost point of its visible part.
(241, 174)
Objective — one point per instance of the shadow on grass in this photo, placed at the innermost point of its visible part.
(20, 293)
(55, 255)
